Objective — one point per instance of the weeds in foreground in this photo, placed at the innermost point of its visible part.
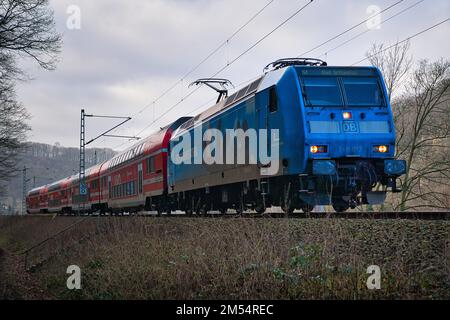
(139, 258)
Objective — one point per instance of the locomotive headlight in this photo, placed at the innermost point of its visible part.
(347, 115)
(381, 149)
(319, 149)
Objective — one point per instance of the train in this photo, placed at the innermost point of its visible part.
(329, 131)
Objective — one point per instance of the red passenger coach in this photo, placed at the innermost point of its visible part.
(129, 181)
(139, 173)
(43, 199)
(34, 200)
(93, 187)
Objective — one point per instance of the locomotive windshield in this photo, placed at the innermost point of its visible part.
(340, 87)
(363, 91)
(321, 91)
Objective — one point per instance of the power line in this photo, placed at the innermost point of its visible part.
(264, 37)
(230, 63)
(213, 52)
(417, 34)
(368, 30)
(407, 39)
(390, 18)
(349, 29)
(234, 60)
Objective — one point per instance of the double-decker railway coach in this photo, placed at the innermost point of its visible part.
(335, 142)
(133, 180)
(35, 200)
(303, 134)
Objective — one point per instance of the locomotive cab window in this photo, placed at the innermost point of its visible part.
(321, 92)
(363, 91)
(340, 87)
(273, 99)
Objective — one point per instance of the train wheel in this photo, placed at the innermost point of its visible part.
(260, 209)
(307, 208)
(204, 211)
(288, 210)
(223, 210)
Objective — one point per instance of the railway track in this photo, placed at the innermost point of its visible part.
(282, 215)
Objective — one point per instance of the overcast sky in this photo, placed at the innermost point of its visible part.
(127, 53)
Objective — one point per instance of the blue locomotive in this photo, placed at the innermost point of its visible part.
(301, 135)
(328, 132)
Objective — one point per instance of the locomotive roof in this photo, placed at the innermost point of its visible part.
(263, 82)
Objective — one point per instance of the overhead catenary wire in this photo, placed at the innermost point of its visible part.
(368, 30)
(349, 29)
(407, 39)
(231, 62)
(404, 40)
(262, 39)
(206, 58)
(267, 35)
(387, 48)
(355, 37)
(303, 7)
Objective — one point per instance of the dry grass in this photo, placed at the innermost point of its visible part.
(141, 258)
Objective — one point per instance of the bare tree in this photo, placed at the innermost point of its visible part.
(12, 132)
(26, 30)
(425, 122)
(421, 116)
(394, 63)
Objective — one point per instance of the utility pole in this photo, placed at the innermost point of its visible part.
(81, 174)
(24, 190)
(83, 144)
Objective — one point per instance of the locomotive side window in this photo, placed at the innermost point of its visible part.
(273, 99)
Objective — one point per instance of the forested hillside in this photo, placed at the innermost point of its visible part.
(46, 163)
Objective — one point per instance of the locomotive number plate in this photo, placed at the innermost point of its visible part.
(349, 126)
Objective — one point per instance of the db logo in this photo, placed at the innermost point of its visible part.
(349, 126)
